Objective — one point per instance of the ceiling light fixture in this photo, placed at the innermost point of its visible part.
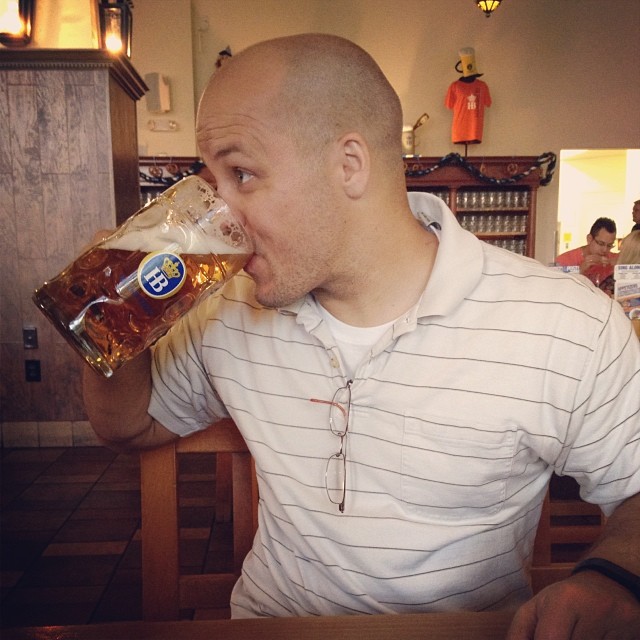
(488, 6)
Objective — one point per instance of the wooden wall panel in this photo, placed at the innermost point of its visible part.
(5, 130)
(82, 126)
(56, 190)
(58, 219)
(125, 154)
(103, 96)
(25, 160)
(9, 286)
(52, 121)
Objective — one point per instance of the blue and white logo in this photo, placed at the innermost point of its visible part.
(161, 274)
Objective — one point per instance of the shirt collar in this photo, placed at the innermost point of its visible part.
(456, 271)
(458, 265)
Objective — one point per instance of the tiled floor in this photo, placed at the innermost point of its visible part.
(70, 533)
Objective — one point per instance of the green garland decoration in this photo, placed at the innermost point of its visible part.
(193, 169)
(548, 158)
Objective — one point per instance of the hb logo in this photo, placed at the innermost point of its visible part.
(161, 274)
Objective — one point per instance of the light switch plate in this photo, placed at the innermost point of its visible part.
(30, 337)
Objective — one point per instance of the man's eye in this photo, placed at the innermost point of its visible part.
(241, 175)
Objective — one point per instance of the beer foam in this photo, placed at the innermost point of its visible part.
(149, 240)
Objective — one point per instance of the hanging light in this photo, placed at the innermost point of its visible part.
(488, 6)
(116, 26)
(16, 22)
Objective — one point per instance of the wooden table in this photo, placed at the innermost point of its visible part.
(428, 626)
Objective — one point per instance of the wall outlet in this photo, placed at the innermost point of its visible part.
(32, 371)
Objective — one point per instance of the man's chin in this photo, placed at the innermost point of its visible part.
(274, 299)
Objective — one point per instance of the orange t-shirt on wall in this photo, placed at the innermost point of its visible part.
(468, 101)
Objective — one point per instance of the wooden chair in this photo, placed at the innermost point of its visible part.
(164, 591)
(565, 520)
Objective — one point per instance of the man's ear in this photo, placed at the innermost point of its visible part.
(589, 238)
(355, 164)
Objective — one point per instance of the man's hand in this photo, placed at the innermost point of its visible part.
(593, 260)
(586, 606)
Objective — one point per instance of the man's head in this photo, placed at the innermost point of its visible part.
(299, 132)
(321, 86)
(602, 237)
(635, 212)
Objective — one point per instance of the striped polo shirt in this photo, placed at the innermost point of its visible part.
(504, 372)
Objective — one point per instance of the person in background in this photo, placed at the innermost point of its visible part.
(405, 390)
(630, 249)
(635, 214)
(630, 254)
(595, 259)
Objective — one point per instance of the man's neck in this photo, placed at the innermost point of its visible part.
(387, 282)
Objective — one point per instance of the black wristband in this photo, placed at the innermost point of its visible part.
(612, 571)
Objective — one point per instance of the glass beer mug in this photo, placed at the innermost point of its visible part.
(122, 294)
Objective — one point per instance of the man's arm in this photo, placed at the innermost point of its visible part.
(117, 406)
(588, 604)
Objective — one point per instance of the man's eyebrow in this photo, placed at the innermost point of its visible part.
(226, 151)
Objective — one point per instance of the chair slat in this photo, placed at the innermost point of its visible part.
(165, 592)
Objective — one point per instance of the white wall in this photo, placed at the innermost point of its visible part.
(562, 74)
(162, 43)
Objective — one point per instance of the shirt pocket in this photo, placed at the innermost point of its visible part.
(453, 470)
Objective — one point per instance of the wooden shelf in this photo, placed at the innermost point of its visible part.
(453, 176)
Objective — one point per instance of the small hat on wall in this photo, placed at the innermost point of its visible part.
(467, 63)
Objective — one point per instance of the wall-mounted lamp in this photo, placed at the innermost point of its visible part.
(116, 24)
(16, 22)
(488, 6)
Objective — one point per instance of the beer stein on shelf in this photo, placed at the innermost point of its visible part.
(522, 199)
(123, 293)
(462, 200)
(522, 224)
(507, 197)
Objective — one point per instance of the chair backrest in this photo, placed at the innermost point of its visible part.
(164, 591)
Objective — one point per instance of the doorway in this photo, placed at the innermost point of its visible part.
(595, 183)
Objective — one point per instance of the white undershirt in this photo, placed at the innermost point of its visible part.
(354, 342)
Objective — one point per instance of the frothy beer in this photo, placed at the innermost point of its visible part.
(121, 295)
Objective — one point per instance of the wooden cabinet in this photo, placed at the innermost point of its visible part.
(158, 173)
(493, 197)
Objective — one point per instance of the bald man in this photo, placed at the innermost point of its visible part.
(405, 390)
